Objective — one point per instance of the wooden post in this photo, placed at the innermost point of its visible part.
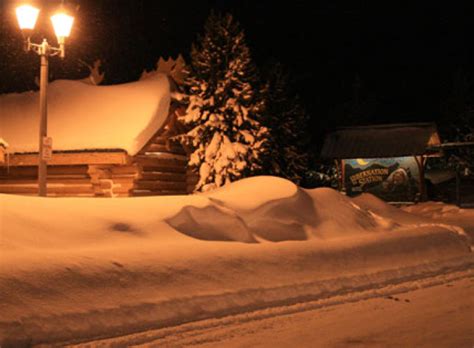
(43, 132)
(343, 174)
(458, 186)
(421, 169)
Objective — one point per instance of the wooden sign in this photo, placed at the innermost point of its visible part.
(392, 179)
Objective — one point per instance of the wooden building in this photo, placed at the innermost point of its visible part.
(386, 160)
(3, 151)
(108, 141)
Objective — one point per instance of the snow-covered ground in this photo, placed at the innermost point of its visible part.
(80, 269)
(433, 312)
(445, 213)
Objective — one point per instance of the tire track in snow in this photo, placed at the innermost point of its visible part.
(200, 332)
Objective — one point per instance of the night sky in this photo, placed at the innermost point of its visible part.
(398, 61)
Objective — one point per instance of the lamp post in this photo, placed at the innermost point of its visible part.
(62, 23)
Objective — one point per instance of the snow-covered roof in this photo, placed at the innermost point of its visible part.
(87, 117)
(3, 143)
(378, 141)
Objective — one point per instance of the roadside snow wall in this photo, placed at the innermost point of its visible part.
(76, 269)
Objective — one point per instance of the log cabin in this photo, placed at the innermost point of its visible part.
(108, 141)
(3, 150)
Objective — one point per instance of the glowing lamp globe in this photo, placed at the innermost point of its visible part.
(62, 24)
(26, 16)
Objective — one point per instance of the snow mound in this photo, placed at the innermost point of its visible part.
(76, 269)
(251, 193)
(437, 210)
(339, 216)
(250, 210)
(275, 209)
(211, 223)
(272, 208)
(445, 214)
(86, 117)
(374, 204)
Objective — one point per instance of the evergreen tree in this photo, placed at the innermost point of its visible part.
(359, 108)
(457, 121)
(288, 123)
(224, 104)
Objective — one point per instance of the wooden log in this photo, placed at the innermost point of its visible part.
(163, 166)
(163, 176)
(50, 178)
(120, 170)
(123, 181)
(122, 191)
(82, 195)
(164, 148)
(50, 181)
(71, 195)
(122, 195)
(72, 158)
(19, 189)
(164, 155)
(111, 187)
(113, 180)
(151, 161)
(52, 189)
(164, 169)
(71, 189)
(111, 172)
(32, 171)
(124, 177)
(192, 178)
(142, 193)
(160, 185)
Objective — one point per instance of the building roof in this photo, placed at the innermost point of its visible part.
(392, 140)
(87, 117)
(3, 143)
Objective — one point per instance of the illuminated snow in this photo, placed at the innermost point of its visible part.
(86, 117)
(83, 268)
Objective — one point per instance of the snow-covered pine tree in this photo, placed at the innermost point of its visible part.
(288, 125)
(457, 121)
(224, 104)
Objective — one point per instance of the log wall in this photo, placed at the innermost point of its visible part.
(162, 168)
(159, 172)
(98, 174)
(61, 181)
(113, 180)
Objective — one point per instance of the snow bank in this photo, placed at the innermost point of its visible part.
(86, 117)
(374, 204)
(75, 269)
(445, 213)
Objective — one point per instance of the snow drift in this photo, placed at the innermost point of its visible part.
(445, 213)
(87, 117)
(76, 269)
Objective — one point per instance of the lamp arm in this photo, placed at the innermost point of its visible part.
(54, 51)
(45, 49)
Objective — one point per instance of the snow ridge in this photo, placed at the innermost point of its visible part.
(108, 267)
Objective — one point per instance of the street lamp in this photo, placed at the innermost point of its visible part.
(62, 23)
